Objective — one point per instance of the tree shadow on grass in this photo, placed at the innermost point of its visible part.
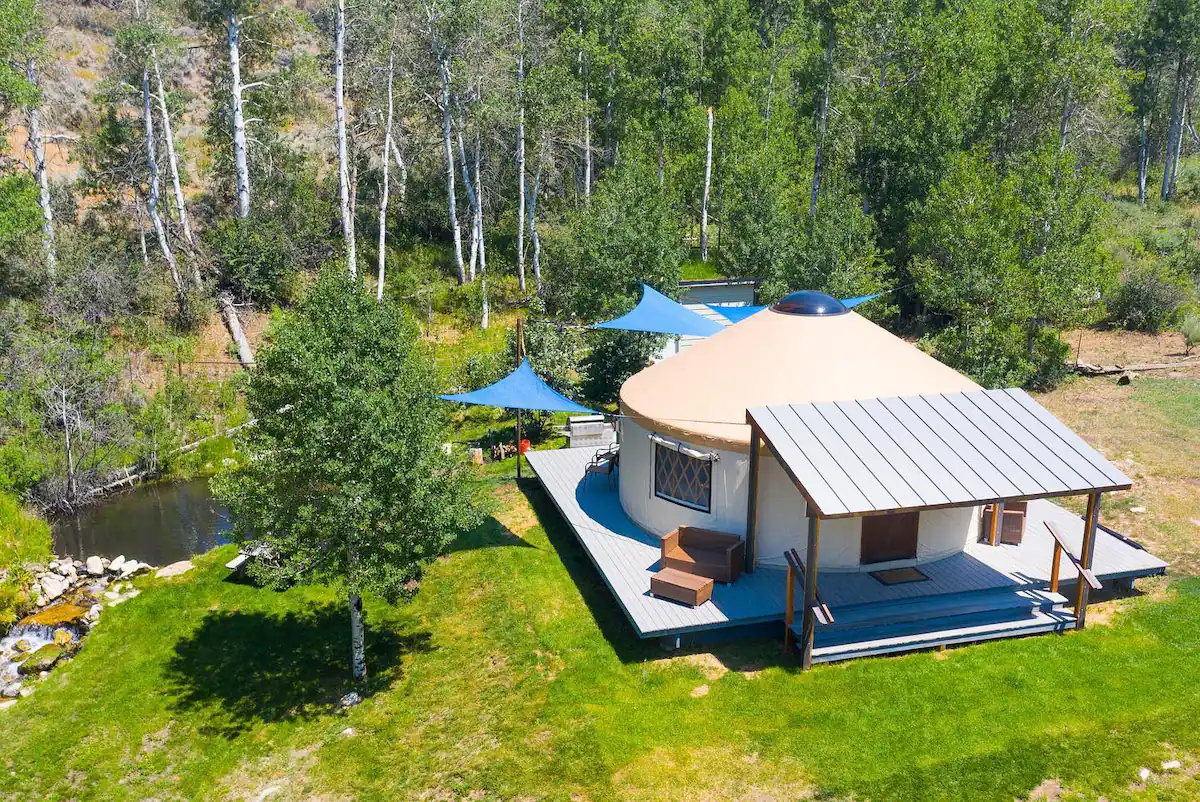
(489, 534)
(239, 670)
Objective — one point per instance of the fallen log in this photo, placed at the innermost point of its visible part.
(1086, 369)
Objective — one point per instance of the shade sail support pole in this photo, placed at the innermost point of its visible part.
(810, 591)
(752, 502)
(520, 359)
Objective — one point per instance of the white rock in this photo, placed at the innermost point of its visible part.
(64, 569)
(115, 565)
(52, 587)
(174, 569)
(1137, 509)
(26, 692)
(93, 612)
(111, 595)
(349, 732)
(7, 703)
(11, 691)
(133, 567)
(94, 566)
(1171, 765)
(1143, 774)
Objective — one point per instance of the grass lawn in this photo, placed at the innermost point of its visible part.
(513, 675)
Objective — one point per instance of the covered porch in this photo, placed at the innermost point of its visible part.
(962, 587)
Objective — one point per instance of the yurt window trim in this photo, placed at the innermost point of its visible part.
(691, 489)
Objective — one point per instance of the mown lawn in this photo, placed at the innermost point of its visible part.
(512, 674)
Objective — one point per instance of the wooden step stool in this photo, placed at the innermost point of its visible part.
(673, 584)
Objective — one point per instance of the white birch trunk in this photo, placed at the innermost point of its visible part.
(448, 149)
(707, 190)
(137, 208)
(37, 145)
(473, 201)
(339, 110)
(521, 145)
(402, 179)
(387, 157)
(587, 143)
(1143, 157)
(173, 164)
(240, 165)
(241, 170)
(160, 230)
(66, 424)
(1174, 132)
(534, 239)
(484, 315)
(358, 655)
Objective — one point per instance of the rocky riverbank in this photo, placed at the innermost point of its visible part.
(70, 595)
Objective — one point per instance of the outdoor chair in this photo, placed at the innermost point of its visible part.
(606, 462)
(703, 552)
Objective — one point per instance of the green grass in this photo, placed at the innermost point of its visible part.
(513, 673)
(23, 537)
(694, 270)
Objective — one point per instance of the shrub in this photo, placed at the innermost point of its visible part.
(1190, 329)
(1149, 299)
(1003, 356)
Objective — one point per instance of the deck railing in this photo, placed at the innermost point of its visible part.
(795, 576)
(1060, 548)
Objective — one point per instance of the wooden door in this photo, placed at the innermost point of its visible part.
(889, 537)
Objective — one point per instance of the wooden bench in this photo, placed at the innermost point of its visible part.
(675, 585)
(703, 552)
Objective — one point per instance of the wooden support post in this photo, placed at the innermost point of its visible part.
(810, 591)
(1055, 566)
(752, 503)
(520, 359)
(1085, 557)
(789, 610)
(997, 517)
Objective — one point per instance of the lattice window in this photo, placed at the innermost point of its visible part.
(682, 479)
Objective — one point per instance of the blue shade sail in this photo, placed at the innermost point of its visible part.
(850, 303)
(521, 389)
(658, 314)
(735, 314)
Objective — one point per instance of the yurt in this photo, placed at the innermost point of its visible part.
(685, 441)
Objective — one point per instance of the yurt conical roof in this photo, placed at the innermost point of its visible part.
(809, 352)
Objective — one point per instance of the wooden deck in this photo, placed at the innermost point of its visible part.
(626, 557)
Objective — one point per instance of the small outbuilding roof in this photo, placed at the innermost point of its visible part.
(882, 455)
(701, 395)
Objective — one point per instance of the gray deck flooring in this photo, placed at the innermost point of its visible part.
(626, 556)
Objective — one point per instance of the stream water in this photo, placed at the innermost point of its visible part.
(155, 523)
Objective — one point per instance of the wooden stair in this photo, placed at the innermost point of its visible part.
(927, 622)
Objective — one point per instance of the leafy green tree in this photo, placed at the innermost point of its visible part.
(999, 253)
(345, 478)
(627, 235)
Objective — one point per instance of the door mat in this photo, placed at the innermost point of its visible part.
(899, 576)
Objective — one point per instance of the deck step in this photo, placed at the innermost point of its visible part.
(1003, 602)
(915, 637)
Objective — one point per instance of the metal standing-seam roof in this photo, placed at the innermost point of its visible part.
(881, 455)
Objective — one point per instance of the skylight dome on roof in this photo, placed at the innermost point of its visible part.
(810, 303)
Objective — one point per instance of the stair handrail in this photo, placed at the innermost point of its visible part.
(821, 610)
(1060, 548)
